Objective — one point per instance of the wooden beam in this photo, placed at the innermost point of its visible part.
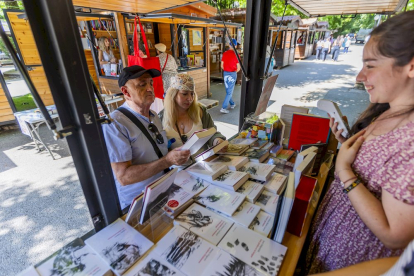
(122, 38)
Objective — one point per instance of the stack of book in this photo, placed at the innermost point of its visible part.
(220, 200)
(190, 182)
(252, 189)
(256, 155)
(204, 223)
(244, 215)
(263, 223)
(255, 250)
(234, 163)
(186, 251)
(119, 245)
(258, 171)
(285, 209)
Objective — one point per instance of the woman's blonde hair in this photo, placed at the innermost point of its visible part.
(170, 106)
(101, 44)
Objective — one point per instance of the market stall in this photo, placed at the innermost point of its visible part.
(286, 39)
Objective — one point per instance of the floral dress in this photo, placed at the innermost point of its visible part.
(170, 69)
(339, 238)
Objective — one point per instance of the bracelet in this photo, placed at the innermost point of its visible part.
(343, 182)
(353, 185)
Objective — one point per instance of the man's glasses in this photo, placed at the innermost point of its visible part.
(153, 128)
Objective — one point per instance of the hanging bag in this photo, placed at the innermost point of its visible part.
(148, 62)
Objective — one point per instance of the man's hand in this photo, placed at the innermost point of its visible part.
(177, 157)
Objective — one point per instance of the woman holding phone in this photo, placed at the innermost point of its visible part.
(369, 209)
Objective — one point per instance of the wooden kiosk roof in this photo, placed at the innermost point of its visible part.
(313, 8)
(134, 6)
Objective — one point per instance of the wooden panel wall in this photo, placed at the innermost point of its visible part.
(91, 66)
(200, 81)
(25, 39)
(38, 77)
(6, 113)
(164, 32)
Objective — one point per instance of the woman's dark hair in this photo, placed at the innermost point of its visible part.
(394, 40)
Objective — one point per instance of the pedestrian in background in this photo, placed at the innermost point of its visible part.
(335, 49)
(230, 66)
(326, 48)
(319, 45)
(347, 44)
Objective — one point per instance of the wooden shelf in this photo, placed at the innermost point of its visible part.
(101, 31)
(131, 34)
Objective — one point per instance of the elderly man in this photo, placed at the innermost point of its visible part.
(134, 159)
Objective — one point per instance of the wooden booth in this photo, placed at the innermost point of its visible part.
(321, 32)
(286, 39)
(305, 38)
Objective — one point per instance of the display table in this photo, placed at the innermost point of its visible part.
(295, 243)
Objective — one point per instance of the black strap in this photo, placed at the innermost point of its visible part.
(138, 123)
(179, 133)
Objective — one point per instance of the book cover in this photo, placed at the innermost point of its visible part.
(156, 194)
(282, 166)
(252, 189)
(243, 141)
(305, 167)
(119, 245)
(301, 205)
(153, 265)
(211, 151)
(286, 208)
(174, 214)
(226, 264)
(302, 154)
(231, 180)
(198, 140)
(204, 223)
(190, 182)
(258, 144)
(268, 202)
(255, 155)
(186, 251)
(245, 214)
(286, 115)
(280, 132)
(206, 171)
(252, 248)
(262, 223)
(275, 150)
(75, 258)
(177, 198)
(233, 149)
(268, 146)
(135, 209)
(308, 129)
(232, 162)
(285, 154)
(258, 171)
(276, 183)
(221, 200)
(322, 148)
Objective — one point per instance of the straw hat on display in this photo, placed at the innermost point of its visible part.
(160, 47)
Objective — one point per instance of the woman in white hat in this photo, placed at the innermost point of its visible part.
(167, 63)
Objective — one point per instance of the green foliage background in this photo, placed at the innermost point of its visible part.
(341, 25)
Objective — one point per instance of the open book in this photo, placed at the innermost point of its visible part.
(198, 140)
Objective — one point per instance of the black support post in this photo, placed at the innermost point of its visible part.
(254, 54)
(57, 38)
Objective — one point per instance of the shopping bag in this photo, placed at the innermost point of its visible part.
(148, 62)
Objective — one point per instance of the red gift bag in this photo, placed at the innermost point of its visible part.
(148, 62)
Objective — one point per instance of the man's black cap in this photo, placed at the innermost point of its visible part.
(135, 71)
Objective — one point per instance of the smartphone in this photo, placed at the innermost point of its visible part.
(333, 110)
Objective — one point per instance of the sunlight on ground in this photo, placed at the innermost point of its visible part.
(226, 129)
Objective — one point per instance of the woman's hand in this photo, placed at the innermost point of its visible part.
(113, 60)
(348, 151)
(334, 127)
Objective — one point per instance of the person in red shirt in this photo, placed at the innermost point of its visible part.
(230, 66)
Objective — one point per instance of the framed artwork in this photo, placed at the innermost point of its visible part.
(197, 40)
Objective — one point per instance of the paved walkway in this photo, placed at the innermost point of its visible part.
(303, 84)
(42, 206)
